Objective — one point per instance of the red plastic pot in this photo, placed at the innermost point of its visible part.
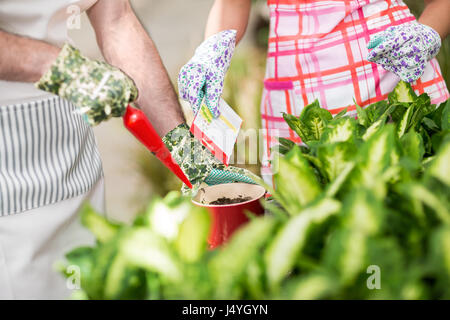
(226, 219)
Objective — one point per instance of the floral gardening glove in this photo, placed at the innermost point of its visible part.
(202, 77)
(198, 163)
(100, 90)
(405, 49)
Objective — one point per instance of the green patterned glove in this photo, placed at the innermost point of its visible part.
(100, 90)
(198, 163)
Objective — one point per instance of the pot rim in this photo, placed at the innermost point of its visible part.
(263, 192)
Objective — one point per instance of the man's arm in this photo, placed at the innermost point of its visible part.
(24, 59)
(437, 15)
(125, 44)
(228, 14)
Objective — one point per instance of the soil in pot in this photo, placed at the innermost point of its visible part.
(226, 200)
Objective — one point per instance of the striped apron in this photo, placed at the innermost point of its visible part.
(317, 50)
(49, 166)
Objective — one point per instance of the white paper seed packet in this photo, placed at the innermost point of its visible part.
(218, 135)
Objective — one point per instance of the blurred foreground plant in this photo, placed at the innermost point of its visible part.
(361, 211)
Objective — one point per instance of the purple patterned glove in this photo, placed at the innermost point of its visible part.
(203, 75)
(405, 49)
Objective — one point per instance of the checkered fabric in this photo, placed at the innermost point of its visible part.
(318, 49)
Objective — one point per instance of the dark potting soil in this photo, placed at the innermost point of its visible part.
(225, 200)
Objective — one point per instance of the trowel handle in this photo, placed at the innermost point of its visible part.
(138, 124)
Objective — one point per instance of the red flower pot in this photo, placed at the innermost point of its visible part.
(226, 219)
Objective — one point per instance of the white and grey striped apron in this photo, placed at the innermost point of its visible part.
(49, 166)
(47, 154)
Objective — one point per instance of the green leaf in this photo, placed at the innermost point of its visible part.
(374, 158)
(343, 129)
(335, 186)
(412, 146)
(363, 212)
(102, 229)
(376, 110)
(437, 140)
(254, 278)
(398, 110)
(439, 167)
(440, 251)
(295, 124)
(144, 249)
(313, 286)
(335, 157)
(436, 114)
(311, 122)
(315, 119)
(345, 254)
(341, 114)
(284, 147)
(404, 123)
(445, 121)
(419, 192)
(430, 125)
(286, 142)
(363, 118)
(164, 216)
(403, 92)
(378, 124)
(103, 257)
(124, 282)
(232, 260)
(289, 241)
(296, 183)
(191, 242)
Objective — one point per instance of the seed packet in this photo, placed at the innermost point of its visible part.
(218, 135)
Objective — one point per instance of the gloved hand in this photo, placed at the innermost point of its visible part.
(198, 163)
(405, 49)
(100, 90)
(203, 75)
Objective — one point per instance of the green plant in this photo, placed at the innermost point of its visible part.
(367, 195)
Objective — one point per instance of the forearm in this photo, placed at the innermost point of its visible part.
(126, 45)
(228, 14)
(436, 15)
(24, 59)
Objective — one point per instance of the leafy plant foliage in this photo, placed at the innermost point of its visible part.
(358, 195)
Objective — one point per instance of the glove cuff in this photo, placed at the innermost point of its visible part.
(434, 40)
(62, 70)
(191, 155)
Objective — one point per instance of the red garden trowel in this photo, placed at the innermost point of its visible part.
(138, 124)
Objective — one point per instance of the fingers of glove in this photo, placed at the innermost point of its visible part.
(191, 82)
(214, 87)
(408, 62)
(218, 46)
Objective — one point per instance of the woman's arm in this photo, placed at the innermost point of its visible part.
(437, 15)
(228, 14)
(125, 44)
(24, 59)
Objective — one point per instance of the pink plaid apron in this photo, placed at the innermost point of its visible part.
(317, 50)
